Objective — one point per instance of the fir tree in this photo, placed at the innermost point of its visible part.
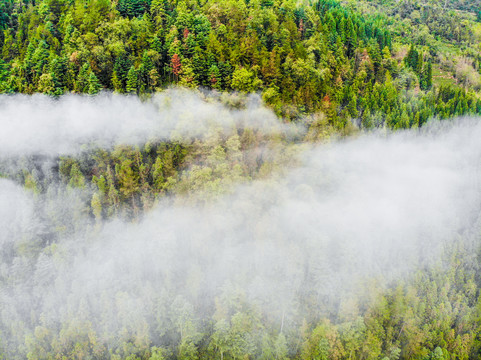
(94, 84)
(132, 81)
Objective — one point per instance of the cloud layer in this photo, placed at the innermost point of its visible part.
(376, 206)
(42, 125)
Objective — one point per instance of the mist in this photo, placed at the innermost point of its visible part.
(43, 125)
(292, 247)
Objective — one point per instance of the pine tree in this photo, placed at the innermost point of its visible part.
(46, 84)
(82, 84)
(156, 44)
(215, 77)
(76, 177)
(96, 205)
(419, 64)
(58, 69)
(132, 80)
(131, 8)
(351, 38)
(429, 75)
(412, 58)
(94, 84)
(116, 82)
(40, 57)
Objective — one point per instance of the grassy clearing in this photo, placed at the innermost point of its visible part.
(442, 78)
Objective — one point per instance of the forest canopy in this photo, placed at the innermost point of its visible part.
(350, 61)
(240, 179)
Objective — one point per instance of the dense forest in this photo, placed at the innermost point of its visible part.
(379, 64)
(152, 252)
(237, 239)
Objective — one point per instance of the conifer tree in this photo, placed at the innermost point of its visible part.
(116, 82)
(412, 58)
(132, 81)
(429, 76)
(82, 84)
(94, 84)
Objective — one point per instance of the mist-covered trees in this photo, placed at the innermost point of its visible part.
(164, 313)
(94, 242)
(333, 67)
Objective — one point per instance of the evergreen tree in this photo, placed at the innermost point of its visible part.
(412, 58)
(132, 81)
(94, 84)
(429, 76)
(58, 69)
(82, 84)
(133, 8)
(116, 82)
(46, 84)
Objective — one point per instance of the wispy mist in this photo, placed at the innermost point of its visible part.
(40, 124)
(377, 206)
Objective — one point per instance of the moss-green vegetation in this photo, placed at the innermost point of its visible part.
(334, 66)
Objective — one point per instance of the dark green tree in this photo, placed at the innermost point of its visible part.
(94, 84)
(132, 81)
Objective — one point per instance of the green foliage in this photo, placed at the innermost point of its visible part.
(94, 84)
(77, 179)
(331, 63)
(432, 314)
(132, 81)
(245, 80)
(131, 8)
(296, 55)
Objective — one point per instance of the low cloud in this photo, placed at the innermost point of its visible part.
(373, 207)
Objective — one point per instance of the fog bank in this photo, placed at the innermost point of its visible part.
(39, 124)
(294, 247)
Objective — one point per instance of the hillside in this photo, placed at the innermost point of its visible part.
(367, 62)
(240, 179)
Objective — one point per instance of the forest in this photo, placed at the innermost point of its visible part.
(378, 64)
(240, 179)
